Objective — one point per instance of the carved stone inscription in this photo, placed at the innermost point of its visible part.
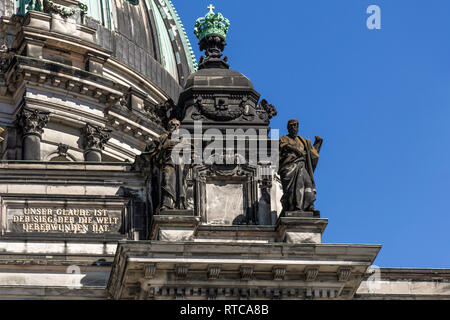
(64, 220)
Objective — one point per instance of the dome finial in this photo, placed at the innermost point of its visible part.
(211, 24)
(211, 31)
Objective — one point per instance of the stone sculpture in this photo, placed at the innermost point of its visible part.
(298, 160)
(170, 171)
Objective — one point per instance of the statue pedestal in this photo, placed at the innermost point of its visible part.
(302, 214)
(301, 227)
(174, 225)
(177, 212)
(237, 233)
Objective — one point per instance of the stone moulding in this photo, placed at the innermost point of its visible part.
(34, 72)
(181, 271)
(278, 273)
(37, 71)
(213, 272)
(245, 174)
(311, 274)
(344, 274)
(149, 271)
(246, 273)
(241, 276)
(234, 293)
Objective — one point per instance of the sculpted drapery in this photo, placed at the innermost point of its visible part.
(298, 160)
(171, 173)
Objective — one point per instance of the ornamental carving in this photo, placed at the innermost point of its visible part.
(50, 7)
(221, 109)
(95, 137)
(266, 111)
(62, 149)
(32, 121)
(6, 56)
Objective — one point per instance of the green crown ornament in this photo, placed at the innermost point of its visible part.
(211, 24)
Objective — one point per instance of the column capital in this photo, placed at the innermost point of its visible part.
(32, 121)
(95, 137)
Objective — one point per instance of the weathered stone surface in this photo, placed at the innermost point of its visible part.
(407, 284)
(236, 233)
(244, 267)
(224, 202)
(173, 227)
(54, 247)
(168, 234)
(300, 229)
(303, 237)
(6, 8)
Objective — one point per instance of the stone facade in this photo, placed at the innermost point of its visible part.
(80, 104)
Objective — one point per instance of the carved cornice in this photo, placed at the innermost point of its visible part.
(311, 274)
(181, 271)
(196, 292)
(278, 273)
(129, 127)
(246, 273)
(344, 274)
(149, 271)
(95, 137)
(213, 272)
(32, 121)
(38, 72)
(306, 274)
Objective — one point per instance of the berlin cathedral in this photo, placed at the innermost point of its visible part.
(93, 205)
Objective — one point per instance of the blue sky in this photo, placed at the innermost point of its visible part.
(379, 98)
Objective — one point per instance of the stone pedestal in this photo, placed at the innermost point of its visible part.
(242, 234)
(174, 225)
(177, 212)
(302, 214)
(301, 227)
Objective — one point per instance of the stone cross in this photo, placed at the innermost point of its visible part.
(211, 8)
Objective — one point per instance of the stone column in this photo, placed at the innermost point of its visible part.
(94, 140)
(32, 122)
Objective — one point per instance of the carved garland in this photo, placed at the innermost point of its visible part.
(48, 6)
(51, 7)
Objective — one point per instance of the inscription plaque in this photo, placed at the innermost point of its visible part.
(68, 217)
(64, 220)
